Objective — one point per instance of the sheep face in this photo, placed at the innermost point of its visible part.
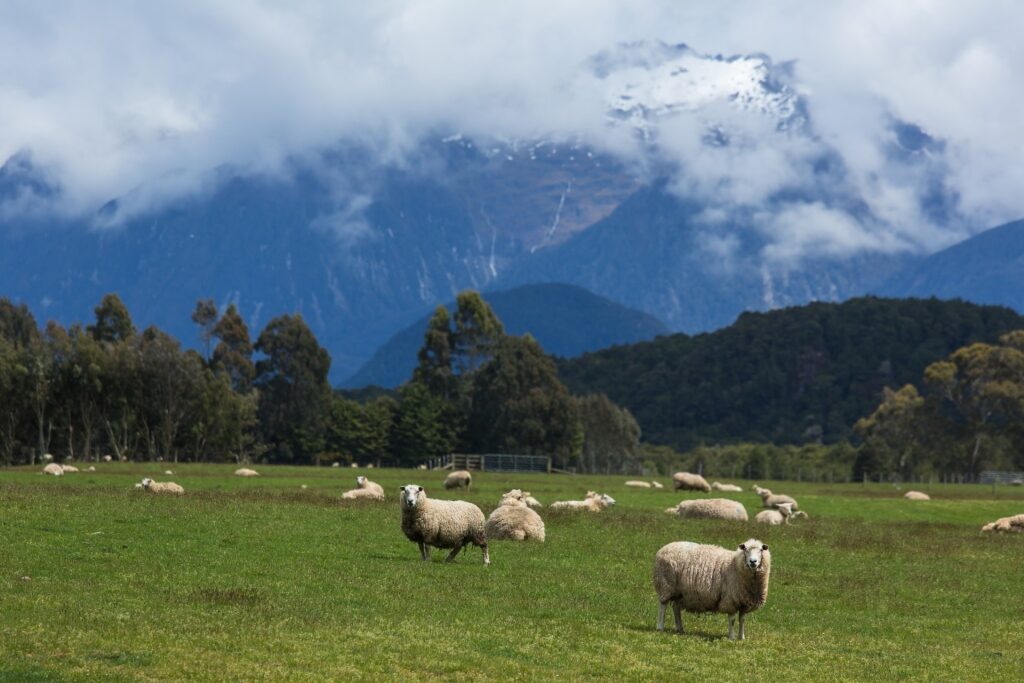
(411, 495)
(785, 508)
(608, 500)
(753, 554)
(361, 480)
(146, 482)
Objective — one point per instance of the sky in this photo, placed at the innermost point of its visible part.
(147, 100)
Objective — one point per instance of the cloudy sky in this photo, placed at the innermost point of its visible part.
(144, 98)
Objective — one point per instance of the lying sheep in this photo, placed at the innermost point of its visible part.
(760, 491)
(54, 469)
(708, 578)
(512, 520)
(531, 501)
(366, 490)
(690, 482)
(107, 458)
(780, 515)
(710, 508)
(916, 495)
(458, 479)
(657, 485)
(772, 500)
(169, 472)
(46, 457)
(162, 487)
(91, 468)
(593, 502)
(246, 472)
(1014, 524)
(69, 468)
(725, 487)
(639, 484)
(441, 523)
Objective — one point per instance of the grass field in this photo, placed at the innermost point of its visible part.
(261, 580)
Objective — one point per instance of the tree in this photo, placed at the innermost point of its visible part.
(423, 426)
(477, 332)
(435, 357)
(171, 383)
(233, 353)
(893, 434)
(205, 316)
(113, 323)
(17, 325)
(611, 436)
(294, 394)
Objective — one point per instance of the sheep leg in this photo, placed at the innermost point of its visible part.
(487, 555)
(424, 552)
(731, 617)
(661, 616)
(677, 612)
(453, 553)
(742, 618)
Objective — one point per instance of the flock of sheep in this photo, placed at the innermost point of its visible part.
(690, 576)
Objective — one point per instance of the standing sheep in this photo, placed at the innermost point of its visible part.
(708, 578)
(441, 523)
(162, 487)
(916, 495)
(780, 515)
(54, 469)
(366, 490)
(725, 487)
(710, 508)
(513, 520)
(458, 479)
(246, 472)
(690, 482)
(1014, 524)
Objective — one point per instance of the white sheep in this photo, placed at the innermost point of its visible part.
(710, 508)
(54, 469)
(725, 487)
(657, 484)
(780, 515)
(246, 472)
(46, 457)
(708, 578)
(107, 458)
(458, 479)
(1014, 524)
(690, 482)
(639, 484)
(69, 468)
(772, 500)
(760, 490)
(916, 495)
(162, 487)
(366, 490)
(421, 466)
(512, 520)
(531, 501)
(593, 502)
(91, 468)
(441, 523)
(169, 472)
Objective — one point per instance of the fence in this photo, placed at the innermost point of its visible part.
(992, 477)
(492, 462)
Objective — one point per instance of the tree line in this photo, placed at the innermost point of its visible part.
(106, 388)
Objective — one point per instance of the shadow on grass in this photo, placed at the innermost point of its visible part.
(670, 632)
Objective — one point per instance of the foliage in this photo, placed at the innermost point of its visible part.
(611, 437)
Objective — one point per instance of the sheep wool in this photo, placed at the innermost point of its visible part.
(441, 523)
(687, 481)
(771, 500)
(657, 485)
(593, 502)
(366, 490)
(54, 469)
(639, 484)
(531, 501)
(708, 578)
(512, 520)
(458, 479)
(916, 495)
(711, 508)
(725, 487)
(69, 468)
(779, 515)
(162, 487)
(246, 472)
(1014, 524)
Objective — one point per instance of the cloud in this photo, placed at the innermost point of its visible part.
(145, 101)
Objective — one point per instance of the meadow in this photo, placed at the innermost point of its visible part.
(262, 580)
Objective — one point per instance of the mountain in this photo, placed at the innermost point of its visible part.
(566, 320)
(793, 375)
(987, 268)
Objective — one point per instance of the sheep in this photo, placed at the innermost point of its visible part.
(54, 469)
(441, 523)
(1014, 524)
(710, 508)
(107, 458)
(639, 484)
(593, 502)
(367, 490)
(771, 500)
(369, 466)
(69, 468)
(725, 487)
(760, 491)
(690, 482)
(162, 487)
(916, 495)
(531, 501)
(657, 485)
(246, 472)
(46, 457)
(421, 466)
(708, 578)
(512, 520)
(780, 515)
(91, 468)
(169, 472)
(458, 479)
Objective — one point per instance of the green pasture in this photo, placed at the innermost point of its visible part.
(262, 580)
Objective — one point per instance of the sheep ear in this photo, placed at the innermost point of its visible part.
(420, 488)
(401, 488)
(764, 547)
(743, 546)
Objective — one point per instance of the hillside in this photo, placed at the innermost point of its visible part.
(787, 376)
(566, 320)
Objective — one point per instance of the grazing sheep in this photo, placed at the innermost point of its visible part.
(657, 485)
(639, 484)
(69, 468)
(690, 482)
(458, 479)
(162, 487)
(708, 578)
(107, 458)
(512, 520)
(1014, 524)
(246, 472)
(367, 490)
(725, 487)
(916, 495)
(780, 515)
(46, 457)
(54, 469)
(531, 501)
(710, 508)
(593, 502)
(441, 523)
(772, 500)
